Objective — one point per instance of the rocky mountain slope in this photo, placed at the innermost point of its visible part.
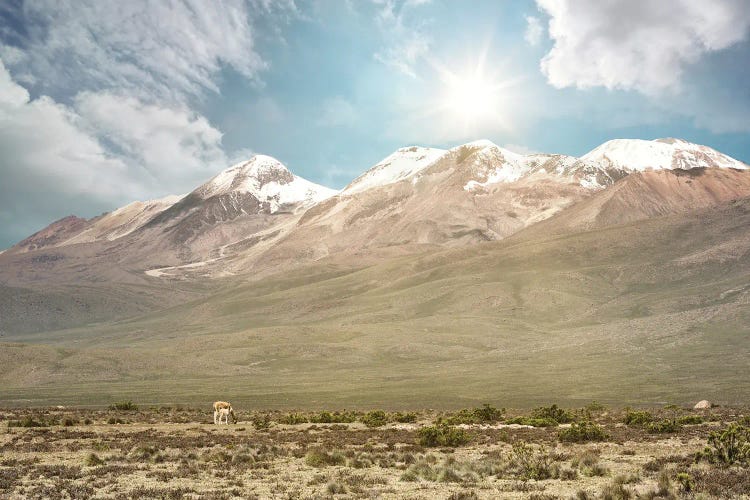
(257, 218)
(646, 312)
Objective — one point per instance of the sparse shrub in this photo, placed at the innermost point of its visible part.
(449, 475)
(580, 432)
(485, 414)
(595, 407)
(616, 490)
(567, 474)
(488, 414)
(320, 458)
(261, 422)
(463, 495)
(409, 476)
(666, 426)
(729, 446)
(8, 479)
(114, 420)
(69, 421)
(359, 462)
(325, 417)
(293, 419)
(663, 486)
(687, 485)
(638, 418)
(334, 488)
(144, 453)
(722, 482)
(442, 435)
(169, 493)
(529, 462)
(588, 463)
(27, 421)
(65, 472)
(375, 418)
(124, 406)
(93, 459)
(405, 418)
(690, 420)
(554, 414)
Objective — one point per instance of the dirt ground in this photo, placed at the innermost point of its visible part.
(179, 453)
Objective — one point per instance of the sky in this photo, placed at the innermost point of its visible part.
(105, 102)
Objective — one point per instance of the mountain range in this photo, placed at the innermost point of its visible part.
(432, 262)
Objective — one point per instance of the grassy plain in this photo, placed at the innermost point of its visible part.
(177, 452)
(645, 313)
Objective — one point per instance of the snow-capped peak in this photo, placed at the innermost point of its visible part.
(400, 165)
(492, 163)
(639, 155)
(268, 180)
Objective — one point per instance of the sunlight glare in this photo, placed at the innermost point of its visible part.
(471, 98)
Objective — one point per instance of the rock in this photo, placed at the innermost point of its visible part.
(702, 405)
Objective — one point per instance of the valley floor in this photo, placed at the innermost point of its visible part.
(174, 452)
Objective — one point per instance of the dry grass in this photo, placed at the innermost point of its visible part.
(178, 453)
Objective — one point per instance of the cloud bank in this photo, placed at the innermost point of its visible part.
(636, 44)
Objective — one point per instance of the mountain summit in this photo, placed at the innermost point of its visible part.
(268, 181)
(257, 216)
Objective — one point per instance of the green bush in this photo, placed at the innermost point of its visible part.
(729, 446)
(666, 426)
(26, 422)
(124, 406)
(293, 419)
(442, 435)
(488, 414)
(580, 432)
(690, 420)
(638, 418)
(554, 413)
(405, 418)
(595, 407)
(261, 422)
(484, 414)
(320, 458)
(375, 418)
(530, 463)
(687, 485)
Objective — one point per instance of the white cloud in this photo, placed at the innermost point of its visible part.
(50, 166)
(534, 31)
(167, 50)
(337, 112)
(106, 151)
(123, 76)
(172, 146)
(636, 44)
(405, 41)
(43, 144)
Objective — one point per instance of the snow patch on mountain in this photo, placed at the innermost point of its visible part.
(599, 168)
(268, 180)
(640, 155)
(402, 164)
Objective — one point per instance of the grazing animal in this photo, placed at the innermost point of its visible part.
(222, 409)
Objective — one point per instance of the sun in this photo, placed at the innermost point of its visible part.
(472, 97)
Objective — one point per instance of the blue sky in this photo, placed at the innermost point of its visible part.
(102, 103)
